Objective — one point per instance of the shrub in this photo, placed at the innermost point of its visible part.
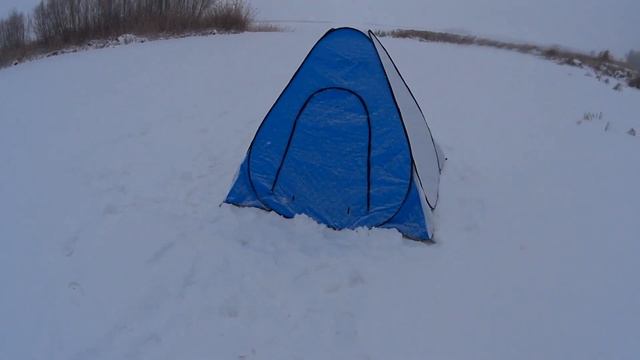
(73, 21)
(605, 56)
(230, 15)
(633, 59)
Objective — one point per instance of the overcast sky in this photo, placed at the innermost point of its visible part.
(23, 5)
(582, 24)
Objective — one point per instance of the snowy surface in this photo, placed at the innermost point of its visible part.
(113, 164)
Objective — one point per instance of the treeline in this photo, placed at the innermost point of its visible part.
(57, 23)
(13, 31)
(603, 63)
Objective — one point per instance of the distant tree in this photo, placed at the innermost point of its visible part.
(13, 31)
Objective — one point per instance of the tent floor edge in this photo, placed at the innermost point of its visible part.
(411, 220)
(242, 193)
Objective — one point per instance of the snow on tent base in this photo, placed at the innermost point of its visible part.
(346, 143)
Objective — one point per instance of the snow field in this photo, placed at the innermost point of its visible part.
(113, 164)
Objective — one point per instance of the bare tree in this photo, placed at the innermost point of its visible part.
(13, 31)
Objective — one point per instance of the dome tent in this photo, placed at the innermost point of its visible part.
(345, 143)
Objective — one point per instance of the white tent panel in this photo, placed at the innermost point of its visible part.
(441, 157)
(424, 152)
(426, 209)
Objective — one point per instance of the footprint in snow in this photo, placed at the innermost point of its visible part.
(229, 309)
(69, 246)
(76, 287)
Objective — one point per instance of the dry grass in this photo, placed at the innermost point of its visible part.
(603, 64)
(264, 27)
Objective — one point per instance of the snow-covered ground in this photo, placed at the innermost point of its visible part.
(113, 164)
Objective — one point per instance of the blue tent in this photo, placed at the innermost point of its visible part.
(345, 143)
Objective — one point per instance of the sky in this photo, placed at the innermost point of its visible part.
(582, 24)
(22, 5)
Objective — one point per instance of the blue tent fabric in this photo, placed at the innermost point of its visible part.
(334, 147)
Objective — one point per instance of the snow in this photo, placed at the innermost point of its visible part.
(114, 162)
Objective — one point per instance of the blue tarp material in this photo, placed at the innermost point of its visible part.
(334, 146)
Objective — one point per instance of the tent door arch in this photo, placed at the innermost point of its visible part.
(325, 169)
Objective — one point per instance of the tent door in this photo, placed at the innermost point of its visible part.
(324, 171)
